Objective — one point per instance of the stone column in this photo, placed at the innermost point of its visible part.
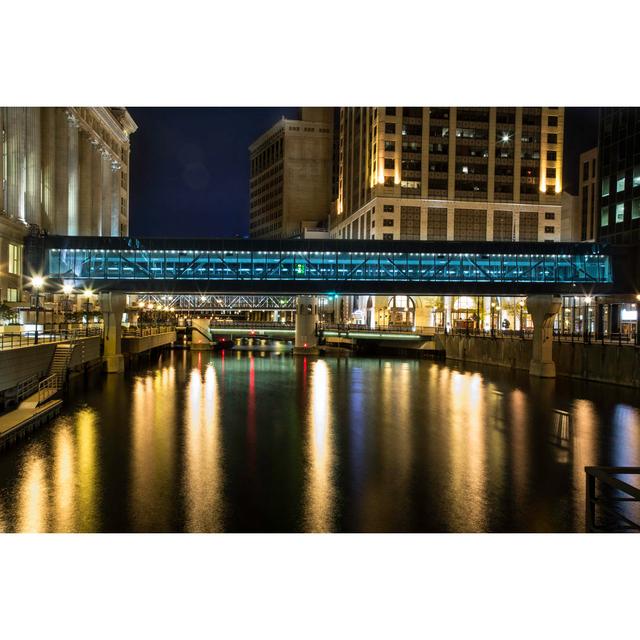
(48, 150)
(306, 321)
(2, 131)
(107, 184)
(16, 170)
(85, 185)
(200, 333)
(112, 306)
(73, 166)
(115, 200)
(33, 201)
(96, 191)
(543, 309)
(60, 221)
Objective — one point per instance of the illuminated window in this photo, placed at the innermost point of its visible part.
(636, 176)
(604, 216)
(15, 259)
(620, 212)
(389, 181)
(620, 182)
(12, 295)
(605, 186)
(635, 209)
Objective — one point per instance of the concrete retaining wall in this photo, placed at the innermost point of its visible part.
(134, 344)
(602, 363)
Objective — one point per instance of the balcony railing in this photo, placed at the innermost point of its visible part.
(612, 504)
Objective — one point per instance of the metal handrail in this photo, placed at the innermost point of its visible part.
(607, 503)
(27, 338)
(53, 381)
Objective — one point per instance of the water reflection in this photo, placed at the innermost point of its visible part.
(32, 509)
(203, 465)
(319, 494)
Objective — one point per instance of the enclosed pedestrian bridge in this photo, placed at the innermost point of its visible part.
(137, 265)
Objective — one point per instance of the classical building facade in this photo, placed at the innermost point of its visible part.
(449, 173)
(64, 170)
(291, 176)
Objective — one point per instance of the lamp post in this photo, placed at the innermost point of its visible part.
(37, 283)
(521, 319)
(87, 294)
(587, 331)
(493, 309)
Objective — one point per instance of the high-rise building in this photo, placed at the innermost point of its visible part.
(619, 158)
(291, 175)
(64, 170)
(447, 173)
(587, 194)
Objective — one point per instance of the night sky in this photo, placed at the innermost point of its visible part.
(189, 171)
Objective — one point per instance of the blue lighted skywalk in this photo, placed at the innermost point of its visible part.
(142, 265)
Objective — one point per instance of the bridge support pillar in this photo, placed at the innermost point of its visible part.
(199, 333)
(306, 321)
(543, 309)
(112, 306)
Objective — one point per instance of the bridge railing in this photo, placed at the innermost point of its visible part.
(355, 328)
(142, 331)
(612, 504)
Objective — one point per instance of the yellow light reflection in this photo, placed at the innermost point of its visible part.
(32, 501)
(87, 469)
(319, 490)
(64, 471)
(203, 465)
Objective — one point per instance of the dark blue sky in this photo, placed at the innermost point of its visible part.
(190, 166)
(189, 171)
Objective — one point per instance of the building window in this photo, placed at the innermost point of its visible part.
(549, 229)
(389, 145)
(12, 295)
(551, 172)
(585, 171)
(605, 186)
(15, 259)
(552, 121)
(549, 215)
(389, 163)
(387, 208)
(635, 209)
(387, 236)
(389, 127)
(552, 138)
(390, 111)
(389, 181)
(387, 222)
(636, 176)
(604, 216)
(552, 156)
(620, 182)
(620, 212)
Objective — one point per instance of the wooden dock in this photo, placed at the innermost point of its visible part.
(17, 423)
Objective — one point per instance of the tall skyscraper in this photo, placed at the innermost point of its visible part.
(588, 194)
(619, 157)
(64, 170)
(447, 173)
(291, 175)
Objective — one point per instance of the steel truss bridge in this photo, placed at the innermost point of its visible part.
(222, 302)
(136, 265)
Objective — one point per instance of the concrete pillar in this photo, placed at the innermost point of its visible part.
(107, 185)
(306, 321)
(115, 201)
(200, 334)
(33, 167)
(73, 168)
(96, 191)
(2, 142)
(112, 306)
(543, 309)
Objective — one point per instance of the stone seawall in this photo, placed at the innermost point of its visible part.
(601, 363)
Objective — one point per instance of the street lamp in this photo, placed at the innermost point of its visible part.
(37, 282)
(587, 332)
(87, 294)
(493, 308)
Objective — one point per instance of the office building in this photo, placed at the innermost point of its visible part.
(446, 173)
(291, 176)
(588, 194)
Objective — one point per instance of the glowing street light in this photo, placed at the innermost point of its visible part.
(37, 282)
(87, 294)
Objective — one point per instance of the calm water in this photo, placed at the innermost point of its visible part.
(235, 442)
